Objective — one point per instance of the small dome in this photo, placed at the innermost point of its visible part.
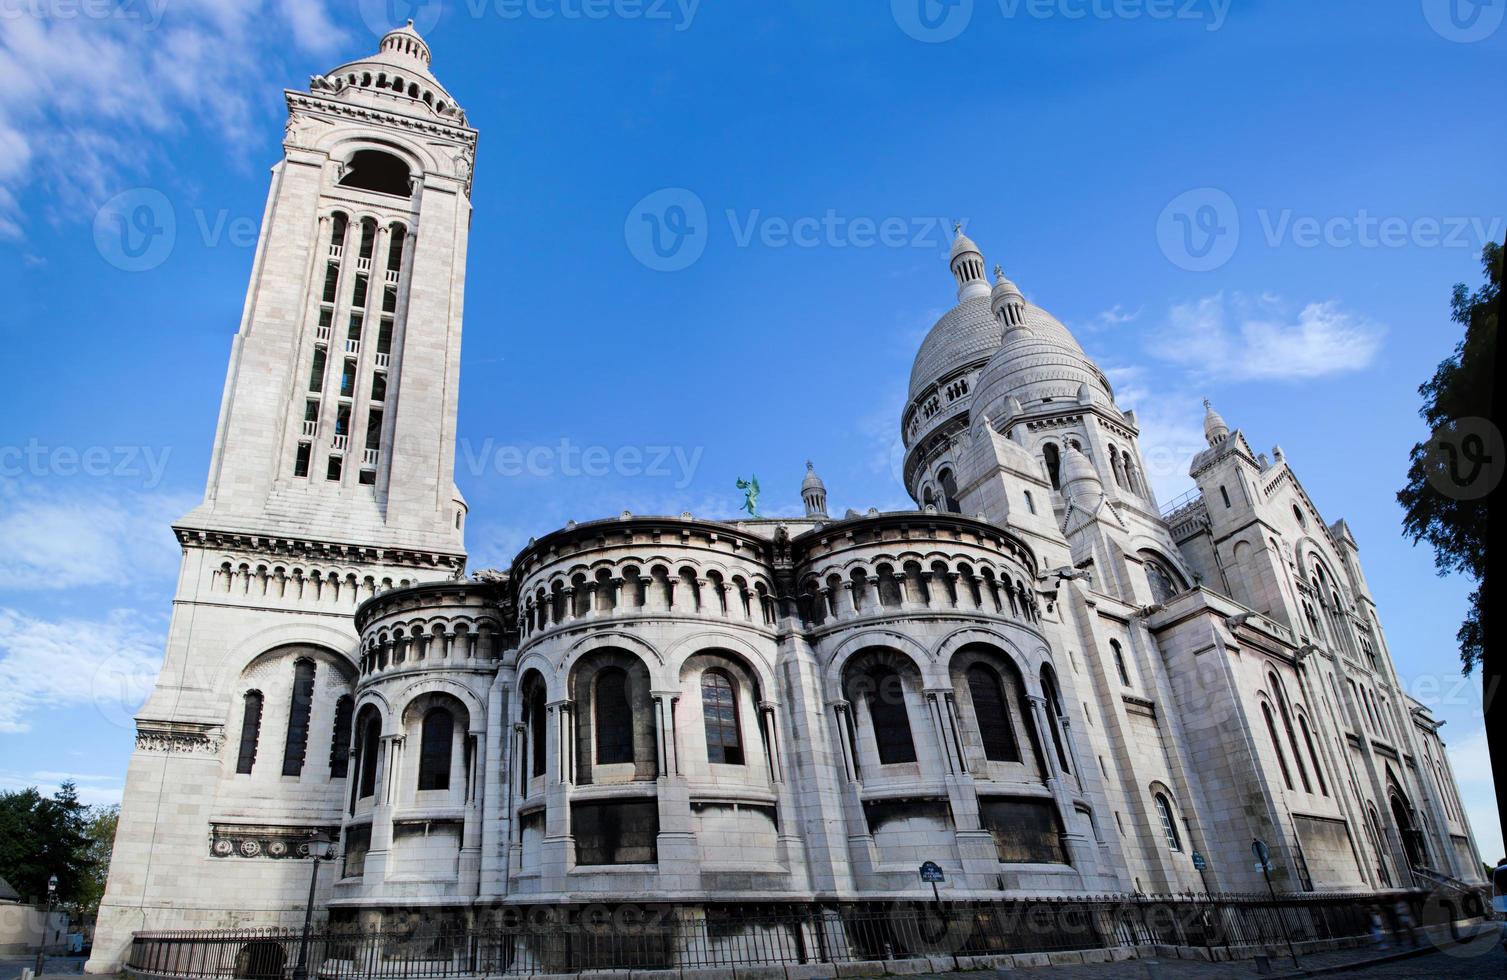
(812, 481)
(1077, 474)
(1215, 429)
(1031, 368)
(397, 77)
(1007, 303)
(961, 243)
(969, 334)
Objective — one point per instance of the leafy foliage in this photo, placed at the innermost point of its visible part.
(40, 837)
(1461, 388)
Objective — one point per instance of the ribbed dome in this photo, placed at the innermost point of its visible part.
(1033, 367)
(812, 481)
(969, 332)
(398, 73)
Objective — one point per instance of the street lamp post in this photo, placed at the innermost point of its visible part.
(52, 894)
(321, 848)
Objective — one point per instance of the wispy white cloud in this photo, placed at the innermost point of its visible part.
(108, 663)
(1169, 416)
(63, 542)
(89, 93)
(92, 790)
(1243, 338)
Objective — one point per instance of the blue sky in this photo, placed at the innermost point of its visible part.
(1263, 203)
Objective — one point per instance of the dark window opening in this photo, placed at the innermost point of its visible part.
(251, 727)
(891, 722)
(537, 730)
(301, 459)
(434, 749)
(373, 170)
(613, 717)
(340, 739)
(616, 832)
(1054, 464)
(991, 711)
(332, 472)
(297, 743)
(371, 740)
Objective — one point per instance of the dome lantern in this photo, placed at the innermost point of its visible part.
(1215, 428)
(967, 264)
(1008, 305)
(814, 492)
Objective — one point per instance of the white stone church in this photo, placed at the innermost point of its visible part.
(1038, 679)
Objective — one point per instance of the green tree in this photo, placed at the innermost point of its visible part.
(1452, 481)
(41, 837)
(1460, 391)
(101, 833)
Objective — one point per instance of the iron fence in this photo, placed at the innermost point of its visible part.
(525, 940)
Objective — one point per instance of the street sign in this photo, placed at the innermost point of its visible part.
(1199, 864)
(932, 872)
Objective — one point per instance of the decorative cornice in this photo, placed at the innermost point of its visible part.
(303, 100)
(179, 738)
(314, 549)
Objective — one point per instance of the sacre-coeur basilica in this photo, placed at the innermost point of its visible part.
(1037, 678)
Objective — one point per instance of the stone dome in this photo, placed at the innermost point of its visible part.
(969, 333)
(398, 71)
(1034, 367)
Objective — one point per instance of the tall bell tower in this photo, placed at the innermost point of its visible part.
(331, 479)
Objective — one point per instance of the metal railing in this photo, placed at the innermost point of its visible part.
(524, 940)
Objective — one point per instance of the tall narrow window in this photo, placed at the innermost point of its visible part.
(1225, 494)
(1169, 824)
(1054, 715)
(434, 749)
(301, 459)
(348, 379)
(537, 730)
(371, 743)
(991, 712)
(1313, 756)
(1114, 646)
(719, 710)
(395, 250)
(888, 715)
(316, 371)
(340, 739)
(297, 743)
(251, 728)
(1030, 504)
(1054, 463)
(613, 717)
(1280, 694)
(1271, 729)
(949, 492)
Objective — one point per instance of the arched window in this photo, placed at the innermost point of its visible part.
(1164, 582)
(949, 492)
(1054, 714)
(719, 710)
(1313, 756)
(1030, 504)
(535, 710)
(991, 711)
(297, 742)
(1225, 495)
(371, 742)
(1280, 694)
(886, 697)
(1169, 823)
(613, 717)
(928, 499)
(251, 728)
(434, 749)
(340, 739)
(1054, 463)
(1114, 646)
(1271, 729)
(373, 170)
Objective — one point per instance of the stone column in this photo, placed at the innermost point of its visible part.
(679, 855)
(1078, 847)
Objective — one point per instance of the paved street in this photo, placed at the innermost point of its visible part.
(11, 966)
(1478, 961)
